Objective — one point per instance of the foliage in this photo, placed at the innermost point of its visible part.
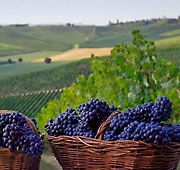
(132, 76)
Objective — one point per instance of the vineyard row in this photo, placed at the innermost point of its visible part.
(29, 103)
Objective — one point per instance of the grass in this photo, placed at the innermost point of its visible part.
(109, 36)
(80, 53)
(10, 70)
(49, 162)
(42, 38)
(169, 42)
(15, 40)
(30, 56)
(171, 33)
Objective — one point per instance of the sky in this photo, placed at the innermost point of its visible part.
(87, 12)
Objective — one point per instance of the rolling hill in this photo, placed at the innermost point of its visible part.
(23, 39)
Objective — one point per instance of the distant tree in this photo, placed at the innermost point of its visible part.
(92, 55)
(47, 60)
(9, 61)
(20, 60)
(179, 19)
(68, 24)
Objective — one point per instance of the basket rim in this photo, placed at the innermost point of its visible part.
(103, 142)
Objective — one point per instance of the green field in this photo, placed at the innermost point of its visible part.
(10, 70)
(17, 68)
(171, 33)
(54, 78)
(15, 40)
(109, 36)
(169, 42)
(30, 56)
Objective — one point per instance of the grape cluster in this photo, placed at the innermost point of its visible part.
(95, 112)
(160, 111)
(143, 123)
(147, 132)
(117, 125)
(91, 116)
(173, 131)
(35, 122)
(84, 129)
(16, 134)
(64, 124)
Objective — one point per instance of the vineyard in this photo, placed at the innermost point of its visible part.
(51, 79)
(30, 103)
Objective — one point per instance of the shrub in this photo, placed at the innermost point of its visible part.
(47, 60)
(20, 60)
(10, 61)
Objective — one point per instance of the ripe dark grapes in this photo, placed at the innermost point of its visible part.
(64, 124)
(16, 134)
(84, 129)
(91, 116)
(160, 111)
(173, 131)
(147, 132)
(95, 112)
(35, 122)
(143, 123)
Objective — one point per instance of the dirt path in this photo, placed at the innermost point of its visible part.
(76, 54)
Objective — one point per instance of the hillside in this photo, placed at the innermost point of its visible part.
(24, 39)
(80, 53)
(50, 79)
(14, 39)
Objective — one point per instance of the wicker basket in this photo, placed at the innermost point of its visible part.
(17, 160)
(86, 153)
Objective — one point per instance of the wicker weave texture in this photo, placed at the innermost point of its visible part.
(17, 160)
(85, 153)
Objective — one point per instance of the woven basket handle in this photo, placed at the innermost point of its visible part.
(105, 125)
(29, 122)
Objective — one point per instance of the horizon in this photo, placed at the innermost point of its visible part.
(88, 12)
(81, 24)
